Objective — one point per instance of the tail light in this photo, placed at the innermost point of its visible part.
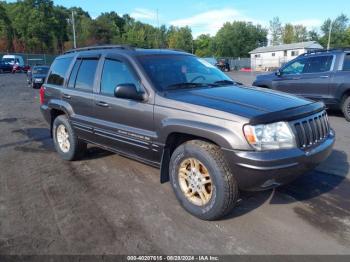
(42, 95)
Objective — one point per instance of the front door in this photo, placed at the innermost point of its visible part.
(317, 77)
(309, 77)
(289, 80)
(125, 125)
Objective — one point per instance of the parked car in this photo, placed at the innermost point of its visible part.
(20, 69)
(13, 59)
(319, 75)
(211, 60)
(223, 65)
(210, 137)
(36, 76)
(5, 67)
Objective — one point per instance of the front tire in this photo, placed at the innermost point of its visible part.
(202, 180)
(67, 144)
(346, 108)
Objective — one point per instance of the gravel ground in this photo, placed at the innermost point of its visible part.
(107, 204)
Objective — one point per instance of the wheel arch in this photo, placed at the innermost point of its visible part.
(175, 135)
(57, 108)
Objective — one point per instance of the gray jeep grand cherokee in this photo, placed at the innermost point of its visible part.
(210, 136)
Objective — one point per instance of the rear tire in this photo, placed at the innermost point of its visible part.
(67, 144)
(221, 190)
(346, 108)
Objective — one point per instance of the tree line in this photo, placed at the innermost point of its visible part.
(288, 33)
(40, 26)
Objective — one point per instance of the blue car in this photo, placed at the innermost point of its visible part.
(5, 67)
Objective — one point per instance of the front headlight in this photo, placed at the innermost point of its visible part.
(271, 136)
(38, 80)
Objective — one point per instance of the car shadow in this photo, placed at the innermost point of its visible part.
(313, 187)
(334, 112)
(42, 136)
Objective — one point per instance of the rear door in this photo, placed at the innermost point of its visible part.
(341, 80)
(123, 124)
(79, 94)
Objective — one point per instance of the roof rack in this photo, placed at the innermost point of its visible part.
(317, 51)
(98, 47)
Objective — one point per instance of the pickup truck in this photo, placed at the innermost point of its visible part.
(319, 75)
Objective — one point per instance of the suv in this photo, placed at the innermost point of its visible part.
(208, 135)
(322, 75)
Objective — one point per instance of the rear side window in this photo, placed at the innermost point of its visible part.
(116, 73)
(346, 65)
(86, 75)
(58, 71)
(73, 74)
(318, 64)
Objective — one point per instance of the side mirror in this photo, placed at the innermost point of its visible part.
(278, 73)
(129, 91)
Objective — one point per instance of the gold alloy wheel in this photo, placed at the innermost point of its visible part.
(63, 138)
(195, 181)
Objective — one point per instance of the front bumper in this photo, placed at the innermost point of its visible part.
(256, 170)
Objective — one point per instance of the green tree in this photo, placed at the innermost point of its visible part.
(204, 46)
(338, 33)
(6, 30)
(237, 39)
(60, 28)
(300, 33)
(276, 31)
(33, 23)
(313, 36)
(288, 35)
(180, 38)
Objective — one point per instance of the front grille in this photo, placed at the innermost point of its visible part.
(311, 130)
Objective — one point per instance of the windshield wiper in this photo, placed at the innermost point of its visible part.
(224, 82)
(185, 85)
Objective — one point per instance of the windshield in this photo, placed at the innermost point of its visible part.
(179, 71)
(40, 70)
(8, 60)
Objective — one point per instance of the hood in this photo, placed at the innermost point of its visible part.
(265, 76)
(248, 102)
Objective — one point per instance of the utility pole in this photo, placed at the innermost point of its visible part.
(329, 34)
(73, 25)
(157, 35)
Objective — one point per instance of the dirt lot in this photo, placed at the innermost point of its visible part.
(107, 204)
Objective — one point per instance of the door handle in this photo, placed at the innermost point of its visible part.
(102, 104)
(324, 76)
(296, 78)
(66, 96)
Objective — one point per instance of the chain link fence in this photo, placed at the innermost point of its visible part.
(34, 59)
(238, 63)
(268, 64)
(235, 63)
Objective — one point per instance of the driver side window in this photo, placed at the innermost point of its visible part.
(116, 73)
(297, 67)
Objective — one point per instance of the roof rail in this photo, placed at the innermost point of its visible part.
(98, 47)
(317, 51)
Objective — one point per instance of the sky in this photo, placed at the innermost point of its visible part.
(207, 16)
